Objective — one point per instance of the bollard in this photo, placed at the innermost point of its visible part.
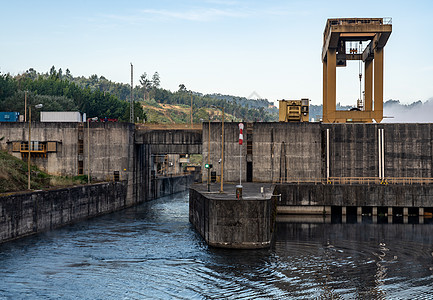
(239, 192)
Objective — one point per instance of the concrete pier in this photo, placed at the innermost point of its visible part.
(226, 222)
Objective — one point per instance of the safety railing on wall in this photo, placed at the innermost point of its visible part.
(150, 126)
(360, 180)
(33, 148)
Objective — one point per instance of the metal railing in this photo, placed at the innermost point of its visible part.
(354, 21)
(40, 148)
(360, 180)
(387, 20)
(150, 126)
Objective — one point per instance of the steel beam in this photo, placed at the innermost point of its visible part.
(331, 84)
(378, 84)
(325, 91)
(368, 86)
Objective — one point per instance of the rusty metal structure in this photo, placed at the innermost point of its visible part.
(294, 110)
(369, 35)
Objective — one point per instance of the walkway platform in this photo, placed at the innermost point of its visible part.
(250, 190)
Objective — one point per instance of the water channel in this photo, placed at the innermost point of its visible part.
(152, 252)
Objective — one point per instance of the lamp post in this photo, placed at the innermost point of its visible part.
(208, 154)
(30, 142)
(25, 106)
(88, 151)
(222, 149)
(191, 108)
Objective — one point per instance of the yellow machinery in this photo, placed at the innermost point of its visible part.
(294, 110)
(370, 36)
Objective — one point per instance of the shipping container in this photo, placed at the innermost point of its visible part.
(61, 116)
(9, 116)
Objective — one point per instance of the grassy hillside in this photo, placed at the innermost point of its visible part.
(13, 176)
(163, 113)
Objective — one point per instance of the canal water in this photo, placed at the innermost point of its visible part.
(152, 252)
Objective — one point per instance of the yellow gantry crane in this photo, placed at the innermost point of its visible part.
(338, 34)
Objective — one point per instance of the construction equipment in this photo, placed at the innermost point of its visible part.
(369, 37)
(294, 110)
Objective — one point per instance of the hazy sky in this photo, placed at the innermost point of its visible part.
(216, 46)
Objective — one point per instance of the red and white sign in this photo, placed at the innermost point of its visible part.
(241, 133)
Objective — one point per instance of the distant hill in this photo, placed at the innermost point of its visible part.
(181, 114)
(316, 111)
(98, 96)
(393, 111)
(416, 112)
(150, 93)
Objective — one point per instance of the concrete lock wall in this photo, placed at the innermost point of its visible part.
(185, 141)
(30, 213)
(25, 214)
(286, 150)
(355, 195)
(354, 150)
(275, 152)
(408, 150)
(111, 147)
(164, 186)
(106, 147)
(66, 136)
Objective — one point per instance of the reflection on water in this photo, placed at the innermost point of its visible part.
(152, 251)
(359, 260)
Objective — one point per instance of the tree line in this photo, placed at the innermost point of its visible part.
(149, 91)
(59, 90)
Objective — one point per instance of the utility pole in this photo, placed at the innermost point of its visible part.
(131, 102)
(208, 157)
(222, 148)
(222, 155)
(88, 150)
(29, 145)
(25, 106)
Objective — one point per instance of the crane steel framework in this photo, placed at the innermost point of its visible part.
(375, 32)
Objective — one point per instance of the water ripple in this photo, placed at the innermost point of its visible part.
(152, 252)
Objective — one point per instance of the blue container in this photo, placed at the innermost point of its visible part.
(9, 116)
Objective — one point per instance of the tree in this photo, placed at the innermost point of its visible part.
(156, 80)
(94, 79)
(31, 73)
(8, 87)
(68, 75)
(53, 72)
(146, 84)
(182, 88)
